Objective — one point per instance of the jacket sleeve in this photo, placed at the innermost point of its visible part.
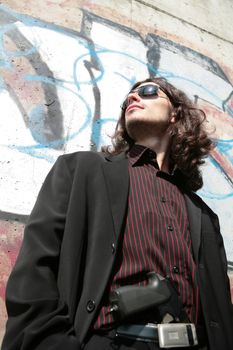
(37, 317)
(224, 259)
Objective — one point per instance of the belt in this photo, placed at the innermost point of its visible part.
(167, 335)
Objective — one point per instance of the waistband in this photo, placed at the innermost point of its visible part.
(167, 335)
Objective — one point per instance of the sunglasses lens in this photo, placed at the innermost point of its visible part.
(148, 90)
(143, 91)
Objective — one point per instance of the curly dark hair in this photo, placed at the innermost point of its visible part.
(190, 142)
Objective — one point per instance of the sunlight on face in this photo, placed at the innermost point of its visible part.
(147, 115)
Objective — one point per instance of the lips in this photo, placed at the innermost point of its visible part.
(133, 106)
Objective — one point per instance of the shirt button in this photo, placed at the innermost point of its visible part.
(170, 228)
(113, 248)
(163, 199)
(90, 305)
(175, 269)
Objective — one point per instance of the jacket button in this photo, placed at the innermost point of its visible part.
(90, 305)
(113, 248)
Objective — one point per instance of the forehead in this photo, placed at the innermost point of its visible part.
(146, 83)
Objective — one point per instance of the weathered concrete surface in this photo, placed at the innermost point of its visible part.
(57, 62)
(187, 24)
(64, 13)
(212, 16)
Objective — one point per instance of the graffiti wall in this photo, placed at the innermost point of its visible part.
(60, 92)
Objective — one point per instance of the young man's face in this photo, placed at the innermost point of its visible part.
(147, 113)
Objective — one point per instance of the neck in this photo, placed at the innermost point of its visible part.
(161, 146)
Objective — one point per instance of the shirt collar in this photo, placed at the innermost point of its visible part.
(139, 154)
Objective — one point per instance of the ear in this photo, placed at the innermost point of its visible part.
(173, 117)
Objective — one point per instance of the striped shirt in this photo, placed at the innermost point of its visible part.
(156, 236)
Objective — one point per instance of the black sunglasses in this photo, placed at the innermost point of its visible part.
(148, 90)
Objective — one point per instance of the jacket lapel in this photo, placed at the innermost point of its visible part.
(117, 183)
(116, 179)
(194, 215)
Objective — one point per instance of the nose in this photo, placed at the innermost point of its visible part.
(133, 97)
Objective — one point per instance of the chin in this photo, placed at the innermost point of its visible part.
(137, 128)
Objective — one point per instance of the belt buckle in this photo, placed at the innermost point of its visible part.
(175, 335)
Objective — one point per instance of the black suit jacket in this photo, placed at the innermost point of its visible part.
(69, 248)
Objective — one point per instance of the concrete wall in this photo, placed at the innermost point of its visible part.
(65, 67)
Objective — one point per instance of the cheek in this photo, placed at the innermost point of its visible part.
(161, 104)
(162, 111)
(167, 110)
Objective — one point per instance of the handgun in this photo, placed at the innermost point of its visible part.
(128, 300)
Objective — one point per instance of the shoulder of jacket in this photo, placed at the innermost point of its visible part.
(202, 204)
(84, 161)
(83, 155)
(93, 156)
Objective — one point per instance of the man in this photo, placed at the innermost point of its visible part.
(129, 218)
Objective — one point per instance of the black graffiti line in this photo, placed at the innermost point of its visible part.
(52, 131)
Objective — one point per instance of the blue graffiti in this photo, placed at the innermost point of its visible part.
(35, 120)
(97, 54)
(96, 130)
